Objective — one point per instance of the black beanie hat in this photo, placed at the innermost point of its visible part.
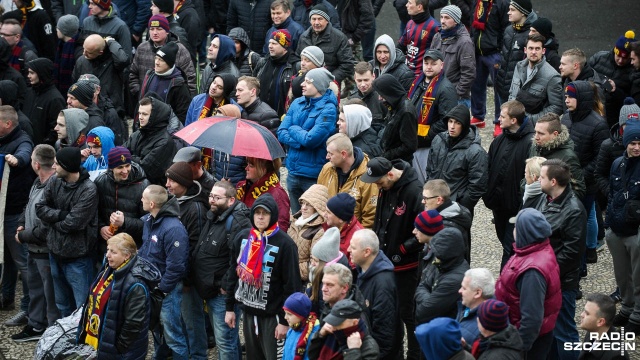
(69, 159)
(168, 53)
(544, 27)
(165, 6)
(342, 205)
(83, 91)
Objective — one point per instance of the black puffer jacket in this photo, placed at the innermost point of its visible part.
(368, 142)
(568, 221)
(275, 79)
(507, 155)
(193, 211)
(247, 60)
(127, 193)
(253, 16)
(604, 63)
(338, 56)
(513, 45)
(151, 146)
(356, 18)
(610, 149)
(70, 210)
(263, 114)
(461, 162)
(588, 130)
(400, 139)
(489, 40)
(437, 291)
(211, 254)
(504, 345)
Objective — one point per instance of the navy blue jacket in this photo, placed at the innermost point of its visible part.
(625, 170)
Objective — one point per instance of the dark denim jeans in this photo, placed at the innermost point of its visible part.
(15, 256)
(485, 67)
(71, 282)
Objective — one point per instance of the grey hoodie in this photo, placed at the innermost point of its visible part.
(387, 41)
(358, 119)
(76, 121)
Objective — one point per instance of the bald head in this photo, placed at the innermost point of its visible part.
(93, 46)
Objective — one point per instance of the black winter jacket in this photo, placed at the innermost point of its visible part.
(437, 291)
(551, 53)
(625, 170)
(588, 130)
(489, 41)
(254, 16)
(513, 45)
(610, 150)
(604, 63)
(356, 18)
(18, 144)
(193, 212)
(635, 86)
(151, 146)
(247, 60)
(211, 254)
(338, 56)
(275, 79)
(398, 69)
(568, 221)
(70, 210)
(507, 155)
(368, 142)
(189, 19)
(44, 103)
(504, 345)
(263, 114)
(123, 196)
(9, 73)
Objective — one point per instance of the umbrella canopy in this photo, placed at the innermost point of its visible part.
(233, 136)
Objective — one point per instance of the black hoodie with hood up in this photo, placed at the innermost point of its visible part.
(44, 102)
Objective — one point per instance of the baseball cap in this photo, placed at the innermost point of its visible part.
(433, 54)
(376, 169)
(343, 310)
(187, 154)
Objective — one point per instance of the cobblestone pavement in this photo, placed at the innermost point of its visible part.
(485, 252)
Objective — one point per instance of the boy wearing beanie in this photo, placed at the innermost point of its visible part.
(68, 50)
(498, 339)
(303, 325)
(427, 224)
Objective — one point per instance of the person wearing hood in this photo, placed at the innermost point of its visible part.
(506, 168)
(37, 26)
(218, 94)
(44, 101)
(530, 278)
(80, 96)
(276, 70)
(458, 158)
(306, 127)
(124, 284)
(8, 96)
(588, 130)
(159, 35)
(22, 50)
(417, 36)
(68, 50)
(498, 339)
(433, 96)
(70, 202)
(459, 55)
(265, 273)
(399, 139)
(282, 19)
(544, 27)
(99, 143)
(221, 55)
(253, 17)
(355, 122)
(165, 244)
(168, 81)
(377, 284)
(120, 189)
(388, 59)
(105, 58)
(71, 127)
(151, 145)
(437, 292)
(246, 59)
(104, 20)
(7, 72)
(440, 339)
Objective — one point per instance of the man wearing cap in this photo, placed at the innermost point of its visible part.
(531, 278)
(477, 286)
(68, 51)
(433, 96)
(364, 77)
(306, 127)
(120, 190)
(159, 35)
(615, 66)
(165, 243)
(80, 96)
(44, 101)
(193, 157)
(166, 8)
(274, 71)
(622, 218)
(344, 333)
(253, 108)
(417, 36)
(455, 43)
(221, 54)
(311, 57)
(536, 84)
(458, 158)
(254, 19)
(378, 286)
(596, 319)
(398, 204)
(103, 20)
(498, 339)
(301, 12)
(342, 174)
(112, 119)
(105, 58)
(70, 210)
(338, 56)
(425, 226)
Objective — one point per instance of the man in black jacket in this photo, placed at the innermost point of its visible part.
(36, 26)
(568, 219)
(356, 18)
(254, 17)
(364, 77)
(253, 108)
(44, 101)
(507, 155)
(378, 286)
(399, 202)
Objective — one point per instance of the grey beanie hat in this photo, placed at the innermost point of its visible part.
(320, 78)
(328, 247)
(453, 11)
(630, 110)
(68, 25)
(314, 54)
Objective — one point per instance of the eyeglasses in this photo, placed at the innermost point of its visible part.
(7, 35)
(217, 198)
(425, 198)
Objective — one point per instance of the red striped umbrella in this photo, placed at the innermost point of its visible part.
(233, 136)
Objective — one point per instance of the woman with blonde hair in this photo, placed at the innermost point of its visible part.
(115, 318)
(532, 177)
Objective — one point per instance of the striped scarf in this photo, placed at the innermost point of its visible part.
(306, 328)
(63, 64)
(481, 15)
(208, 109)
(14, 60)
(249, 268)
(426, 116)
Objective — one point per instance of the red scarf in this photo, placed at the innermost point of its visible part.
(178, 7)
(336, 342)
(424, 123)
(306, 328)
(249, 268)
(207, 153)
(248, 192)
(483, 9)
(14, 60)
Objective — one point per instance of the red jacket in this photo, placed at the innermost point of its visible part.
(248, 192)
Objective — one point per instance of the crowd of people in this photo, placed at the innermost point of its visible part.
(367, 252)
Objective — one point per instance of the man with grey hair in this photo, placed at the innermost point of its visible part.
(377, 283)
(337, 284)
(477, 286)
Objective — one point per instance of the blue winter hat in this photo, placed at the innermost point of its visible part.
(439, 338)
(631, 132)
(298, 304)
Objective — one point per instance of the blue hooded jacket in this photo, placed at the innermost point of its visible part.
(95, 165)
(439, 338)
